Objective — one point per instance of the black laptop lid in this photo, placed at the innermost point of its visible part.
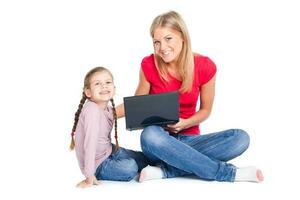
(153, 109)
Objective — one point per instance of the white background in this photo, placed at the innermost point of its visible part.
(46, 47)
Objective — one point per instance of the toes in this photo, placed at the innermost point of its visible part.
(259, 175)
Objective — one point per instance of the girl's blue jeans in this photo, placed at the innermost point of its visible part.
(202, 155)
(122, 165)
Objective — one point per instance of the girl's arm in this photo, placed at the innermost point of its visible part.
(142, 89)
(207, 94)
(91, 126)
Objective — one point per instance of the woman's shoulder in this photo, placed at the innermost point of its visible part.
(205, 68)
(148, 66)
(199, 58)
(148, 59)
(202, 62)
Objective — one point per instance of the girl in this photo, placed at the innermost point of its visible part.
(98, 158)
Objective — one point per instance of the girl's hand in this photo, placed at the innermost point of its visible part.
(176, 128)
(88, 182)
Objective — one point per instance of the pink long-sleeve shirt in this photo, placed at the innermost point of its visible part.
(92, 137)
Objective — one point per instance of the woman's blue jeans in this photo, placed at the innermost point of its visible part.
(202, 155)
(122, 165)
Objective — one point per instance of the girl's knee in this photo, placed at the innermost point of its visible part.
(131, 169)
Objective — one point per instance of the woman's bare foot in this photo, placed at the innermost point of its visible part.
(259, 175)
(251, 174)
(151, 172)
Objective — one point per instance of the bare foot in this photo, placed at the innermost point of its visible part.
(151, 172)
(142, 176)
(251, 174)
(259, 175)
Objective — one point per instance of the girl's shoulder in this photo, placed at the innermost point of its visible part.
(92, 111)
(110, 109)
(91, 108)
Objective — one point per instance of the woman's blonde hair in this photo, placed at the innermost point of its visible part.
(87, 79)
(185, 60)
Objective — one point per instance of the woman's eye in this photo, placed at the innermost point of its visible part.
(168, 38)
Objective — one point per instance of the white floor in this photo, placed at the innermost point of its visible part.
(59, 180)
(185, 188)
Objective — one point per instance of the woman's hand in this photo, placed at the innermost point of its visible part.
(176, 128)
(88, 182)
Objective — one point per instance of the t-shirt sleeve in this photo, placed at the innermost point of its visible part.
(207, 70)
(92, 127)
(147, 68)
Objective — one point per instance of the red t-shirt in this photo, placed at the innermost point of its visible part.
(204, 70)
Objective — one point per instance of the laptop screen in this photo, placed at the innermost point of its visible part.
(152, 109)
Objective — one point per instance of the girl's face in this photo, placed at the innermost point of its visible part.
(167, 44)
(101, 88)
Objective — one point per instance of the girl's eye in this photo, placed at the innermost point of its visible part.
(168, 38)
(97, 83)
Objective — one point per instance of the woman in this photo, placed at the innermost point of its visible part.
(179, 149)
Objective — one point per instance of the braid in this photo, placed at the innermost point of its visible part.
(116, 125)
(72, 145)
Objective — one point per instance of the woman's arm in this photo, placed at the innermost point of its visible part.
(143, 86)
(207, 94)
(142, 89)
(120, 110)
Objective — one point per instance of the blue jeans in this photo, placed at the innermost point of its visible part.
(202, 155)
(122, 165)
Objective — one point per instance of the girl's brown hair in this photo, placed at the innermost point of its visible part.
(82, 101)
(186, 58)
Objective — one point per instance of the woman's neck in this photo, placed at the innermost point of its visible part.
(173, 71)
(172, 65)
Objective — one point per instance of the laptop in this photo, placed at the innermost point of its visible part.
(153, 109)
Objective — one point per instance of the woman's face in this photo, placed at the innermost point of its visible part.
(167, 44)
(101, 88)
